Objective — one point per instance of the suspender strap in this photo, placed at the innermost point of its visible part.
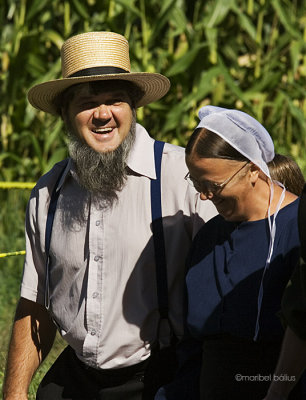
(49, 225)
(158, 233)
(157, 228)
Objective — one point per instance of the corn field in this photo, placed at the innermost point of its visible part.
(245, 54)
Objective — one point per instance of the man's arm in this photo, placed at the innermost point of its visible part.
(292, 361)
(32, 338)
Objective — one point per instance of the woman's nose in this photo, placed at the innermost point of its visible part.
(206, 195)
(102, 112)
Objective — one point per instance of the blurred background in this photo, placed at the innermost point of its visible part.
(245, 54)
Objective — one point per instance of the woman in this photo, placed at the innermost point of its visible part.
(242, 259)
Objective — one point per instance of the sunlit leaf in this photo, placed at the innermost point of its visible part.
(162, 19)
(81, 9)
(219, 11)
(184, 62)
(245, 21)
(54, 37)
(285, 19)
(35, 8)
(129, 7)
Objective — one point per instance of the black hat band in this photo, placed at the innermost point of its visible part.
(98, 71)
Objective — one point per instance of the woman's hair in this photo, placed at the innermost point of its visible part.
(207, 144)
(285, 170)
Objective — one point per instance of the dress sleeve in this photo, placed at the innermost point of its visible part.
(294, 301)
(293, 311)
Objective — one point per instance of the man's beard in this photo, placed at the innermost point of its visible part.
(102, 174)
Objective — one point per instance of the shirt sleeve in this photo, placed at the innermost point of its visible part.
(34, 270)
(33, 279)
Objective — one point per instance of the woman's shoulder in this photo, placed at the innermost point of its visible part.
(289, 198)
(213, 227)
(215, 231)
(287, 224)
(290, 207)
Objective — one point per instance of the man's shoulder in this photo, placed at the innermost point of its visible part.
(174, 156)
(50, 178)
(173, 164)
(174, 150)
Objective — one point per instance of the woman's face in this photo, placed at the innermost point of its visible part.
(227, 183)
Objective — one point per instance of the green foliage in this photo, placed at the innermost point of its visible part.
(11, 234)
(12, 238)
(246, 54)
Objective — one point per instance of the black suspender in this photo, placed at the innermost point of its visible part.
(49, 225)
(158, 233)
(157, 228)
(159, 244)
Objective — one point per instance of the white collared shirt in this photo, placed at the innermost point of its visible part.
(102, 273)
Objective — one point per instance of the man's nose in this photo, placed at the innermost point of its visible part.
(102, 112)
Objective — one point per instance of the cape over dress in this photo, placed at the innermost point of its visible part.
(225, 271)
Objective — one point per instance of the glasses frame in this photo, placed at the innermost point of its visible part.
(217, 187)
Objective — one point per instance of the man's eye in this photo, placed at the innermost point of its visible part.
(114, 101)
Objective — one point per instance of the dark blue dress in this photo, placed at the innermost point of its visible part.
(225, 270)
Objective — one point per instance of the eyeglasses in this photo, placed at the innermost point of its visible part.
(207, 187)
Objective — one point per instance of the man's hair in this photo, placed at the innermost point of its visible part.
(207, 144)
(134, 92)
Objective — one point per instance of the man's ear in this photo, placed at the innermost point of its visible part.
(63, 112)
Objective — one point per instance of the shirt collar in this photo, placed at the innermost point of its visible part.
(140, 159)
(69, 169)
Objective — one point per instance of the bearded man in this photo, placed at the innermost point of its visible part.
(96, 266)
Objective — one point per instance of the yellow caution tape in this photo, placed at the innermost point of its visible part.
(17, 185)
(13, 253)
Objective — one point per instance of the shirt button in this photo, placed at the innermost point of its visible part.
(95, 294)
(93, 332)
(97, 223)
(96, 258)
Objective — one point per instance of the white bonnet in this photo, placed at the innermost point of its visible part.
(242, 132)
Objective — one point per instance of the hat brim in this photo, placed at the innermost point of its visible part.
(44, 95)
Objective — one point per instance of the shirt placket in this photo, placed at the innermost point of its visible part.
(94, 303)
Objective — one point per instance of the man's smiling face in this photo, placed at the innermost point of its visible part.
(102, 118)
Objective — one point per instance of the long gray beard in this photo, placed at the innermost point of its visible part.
(102, 174)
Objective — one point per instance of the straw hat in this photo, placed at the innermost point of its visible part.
(96, 56)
